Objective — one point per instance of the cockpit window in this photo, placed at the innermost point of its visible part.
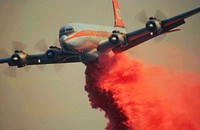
(62, 31)
(66, 31)
(69, 29)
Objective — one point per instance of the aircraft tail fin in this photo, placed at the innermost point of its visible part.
(117, 14)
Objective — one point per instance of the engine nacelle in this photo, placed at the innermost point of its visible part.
(116, 39)
(54, 53)
(154, 25)
(19, 58)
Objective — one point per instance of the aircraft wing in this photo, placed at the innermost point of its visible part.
(154, 27)
(53, 55)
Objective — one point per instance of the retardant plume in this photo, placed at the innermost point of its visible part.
(136, 97)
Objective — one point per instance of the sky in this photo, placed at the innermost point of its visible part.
(41, 100)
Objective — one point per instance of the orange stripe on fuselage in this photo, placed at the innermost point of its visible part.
(89, 33)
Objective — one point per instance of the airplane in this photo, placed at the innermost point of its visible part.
(85, 42)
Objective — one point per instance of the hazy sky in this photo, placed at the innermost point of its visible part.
(48, 100)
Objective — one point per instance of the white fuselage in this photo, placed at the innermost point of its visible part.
(84, 37)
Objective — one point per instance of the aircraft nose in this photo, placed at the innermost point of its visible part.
(64, 43)
(63, 38)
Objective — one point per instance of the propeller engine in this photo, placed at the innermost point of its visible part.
(154, 25)
(54, 53)
(19, 58)
(116, 39)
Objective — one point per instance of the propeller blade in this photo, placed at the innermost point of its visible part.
(4, 53)
(18, 45)
(141, 17)
(27, 68)
(160, 15)
(10, 71)
(41, 45)
(58, 67)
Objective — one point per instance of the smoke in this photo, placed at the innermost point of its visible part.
(137, 97)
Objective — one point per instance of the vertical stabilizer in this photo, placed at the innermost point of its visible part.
(117, 14)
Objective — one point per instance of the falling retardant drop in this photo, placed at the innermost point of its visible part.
(137, 97)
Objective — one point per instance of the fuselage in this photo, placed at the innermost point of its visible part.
(84, 37)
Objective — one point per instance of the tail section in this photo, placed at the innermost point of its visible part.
(117, 14)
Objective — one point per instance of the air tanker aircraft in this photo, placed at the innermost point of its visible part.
(84, 42)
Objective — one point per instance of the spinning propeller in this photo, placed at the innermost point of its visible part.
(11, 71)
(16, 45)
(43, 47)
(143, 18)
